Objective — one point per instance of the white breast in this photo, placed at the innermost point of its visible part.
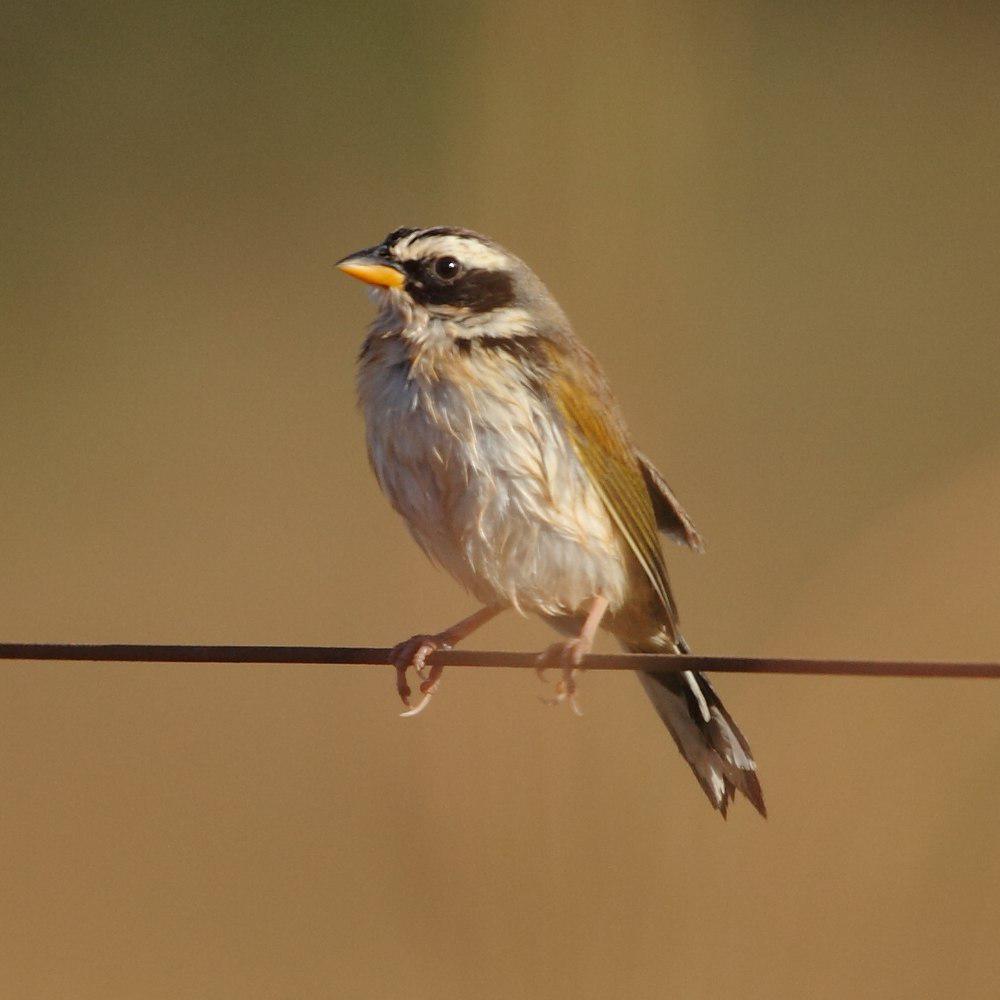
(486, 480)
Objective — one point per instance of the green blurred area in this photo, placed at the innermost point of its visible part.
(775, 225)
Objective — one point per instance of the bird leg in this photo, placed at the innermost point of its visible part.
(415, 650)
(569, 654)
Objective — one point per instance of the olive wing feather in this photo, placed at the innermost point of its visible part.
(602, 444)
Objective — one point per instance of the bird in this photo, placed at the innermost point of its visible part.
(494, 433)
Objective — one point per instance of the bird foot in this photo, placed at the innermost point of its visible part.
(413, 653)
(568, 656)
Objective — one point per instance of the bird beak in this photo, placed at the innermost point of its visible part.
(370, 267)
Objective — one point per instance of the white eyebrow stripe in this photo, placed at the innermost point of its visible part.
(470, 251)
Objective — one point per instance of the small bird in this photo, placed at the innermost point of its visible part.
(493, 432)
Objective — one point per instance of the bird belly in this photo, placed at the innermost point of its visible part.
(491, 489)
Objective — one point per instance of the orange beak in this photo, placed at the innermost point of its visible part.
(372, 270)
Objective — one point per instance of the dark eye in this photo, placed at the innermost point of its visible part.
(447, 268)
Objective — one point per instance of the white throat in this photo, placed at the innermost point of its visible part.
(440, 326)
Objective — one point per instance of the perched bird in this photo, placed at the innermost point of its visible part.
(493, 432)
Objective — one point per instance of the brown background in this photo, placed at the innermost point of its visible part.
(778, 229)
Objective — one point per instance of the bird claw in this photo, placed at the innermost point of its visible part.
(569, 653)
(565, 691)
(413, 653)
(568, 656)
(417, 709)
(428, 689)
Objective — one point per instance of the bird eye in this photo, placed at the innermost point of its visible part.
(447, 268)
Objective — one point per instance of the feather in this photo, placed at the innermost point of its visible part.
(671, 518)
(597, 431)
(715, 749)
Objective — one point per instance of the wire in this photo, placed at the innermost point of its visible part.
(376, 656)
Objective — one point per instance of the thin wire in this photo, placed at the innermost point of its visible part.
(378, 656)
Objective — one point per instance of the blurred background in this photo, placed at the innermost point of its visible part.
(778, 229)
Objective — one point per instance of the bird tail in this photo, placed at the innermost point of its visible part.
(705, 734)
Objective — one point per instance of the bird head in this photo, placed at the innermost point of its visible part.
(455, 275)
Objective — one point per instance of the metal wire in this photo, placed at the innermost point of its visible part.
(378, 656)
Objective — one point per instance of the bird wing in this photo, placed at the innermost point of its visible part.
(597, 431)
(671, 518)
